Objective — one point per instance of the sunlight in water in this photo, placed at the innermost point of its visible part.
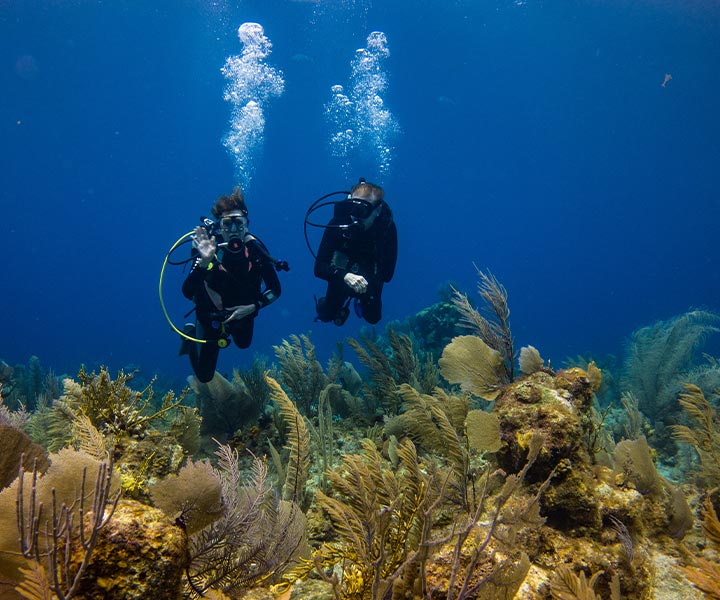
(360, 122)
(251, 83)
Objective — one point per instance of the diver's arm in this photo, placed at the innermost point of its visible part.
(205, 246)
(272, 289)
(240, 312)
(324, 269)
(269, 295)
(206, 249)
(192, 282)
(389, 250)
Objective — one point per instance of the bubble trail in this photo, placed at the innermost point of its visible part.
(361, 124)
(251, 83)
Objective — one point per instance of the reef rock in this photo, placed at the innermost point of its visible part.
(139, 554)
(559, 407)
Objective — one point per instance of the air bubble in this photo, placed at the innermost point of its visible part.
(360, 122)
(251, 83)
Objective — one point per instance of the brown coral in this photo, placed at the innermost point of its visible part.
(14, 444)
(139, 554)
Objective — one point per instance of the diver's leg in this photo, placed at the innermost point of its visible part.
(371, 303)
(242, 331)
(186, 345)
(205, 360)
(329, 305)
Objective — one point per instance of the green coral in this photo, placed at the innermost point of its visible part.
(300, 371)
(660, 356)
(225, 405)
(392, 366)
(376, 513)
(112, 406)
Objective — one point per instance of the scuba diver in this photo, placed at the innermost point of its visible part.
(233, 276)
(357, 254)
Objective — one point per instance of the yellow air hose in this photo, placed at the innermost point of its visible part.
(160, 290)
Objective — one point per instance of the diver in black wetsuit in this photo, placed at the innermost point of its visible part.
(229, 283)
(357, 255)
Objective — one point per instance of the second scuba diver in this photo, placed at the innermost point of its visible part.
(231, 280)
(357, 255)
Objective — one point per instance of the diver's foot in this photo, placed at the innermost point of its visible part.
(187, 345)
(320, 310)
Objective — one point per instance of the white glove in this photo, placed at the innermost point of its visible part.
(357, 283)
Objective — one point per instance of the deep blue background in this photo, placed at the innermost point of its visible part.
(537, 141)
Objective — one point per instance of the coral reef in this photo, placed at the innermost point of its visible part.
(432, 328)
(386, 481)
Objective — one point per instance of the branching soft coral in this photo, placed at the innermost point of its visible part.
(706, 574)
(256, 537)
(300, 371)
(112, 406)
(494, 329)
(298, 443)
(704, 435)
(389, 368)
(375, 511)
(660, 357)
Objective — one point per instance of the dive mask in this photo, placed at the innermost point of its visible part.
(360, 209)
(364, 212)
(233, 228)
(234, 223)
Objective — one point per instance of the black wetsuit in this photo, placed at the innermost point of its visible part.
(237, 278)
(371, 253)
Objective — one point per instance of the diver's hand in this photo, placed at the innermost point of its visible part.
(240, 312)
(206, 246)
(357, 283)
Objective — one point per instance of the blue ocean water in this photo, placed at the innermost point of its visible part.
(543, 141)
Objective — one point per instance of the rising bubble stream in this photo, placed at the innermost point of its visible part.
(251, 83)
(361, 124)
